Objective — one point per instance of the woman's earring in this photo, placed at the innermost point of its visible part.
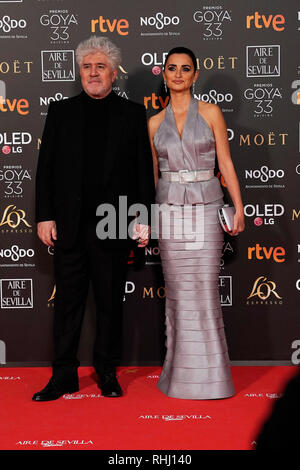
(193, 88)
(166, 88)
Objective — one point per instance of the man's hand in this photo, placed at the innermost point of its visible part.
(47, 232)
(141, 233)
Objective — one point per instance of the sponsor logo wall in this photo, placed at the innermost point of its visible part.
(248, 69)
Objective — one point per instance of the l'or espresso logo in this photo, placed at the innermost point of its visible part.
(263, 21)
(259, 253)
(16, 293)
(59, 23)
(14, 220)
(212, 20)
(264, 292)
(263, 61)
(12, 179)
(261, 97)
(58, 66)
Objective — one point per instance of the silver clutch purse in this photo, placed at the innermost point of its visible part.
(226, 215)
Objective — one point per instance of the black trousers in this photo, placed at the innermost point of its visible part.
(105, 266)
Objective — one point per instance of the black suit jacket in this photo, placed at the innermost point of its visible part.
(127, 165)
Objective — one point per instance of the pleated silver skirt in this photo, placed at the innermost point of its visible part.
(196, 365)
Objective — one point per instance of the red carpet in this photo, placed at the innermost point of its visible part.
(142, 419)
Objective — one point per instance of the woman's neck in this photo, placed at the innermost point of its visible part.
(180, 101)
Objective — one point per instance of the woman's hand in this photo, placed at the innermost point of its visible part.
(141, 233)
(238, 222)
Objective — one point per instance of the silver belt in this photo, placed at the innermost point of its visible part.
(187, 176)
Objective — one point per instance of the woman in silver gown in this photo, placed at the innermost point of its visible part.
(185, 138)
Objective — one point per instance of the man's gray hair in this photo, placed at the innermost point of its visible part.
(99, 44)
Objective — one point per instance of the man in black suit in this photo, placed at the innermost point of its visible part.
(95, 149)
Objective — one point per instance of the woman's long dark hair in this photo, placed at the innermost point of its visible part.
(182, 50)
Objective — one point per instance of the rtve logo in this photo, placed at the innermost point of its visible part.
(265, 21)
(261, 252)
(18, 105)
(106, 25)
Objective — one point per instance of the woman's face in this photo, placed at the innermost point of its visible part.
(179, 72)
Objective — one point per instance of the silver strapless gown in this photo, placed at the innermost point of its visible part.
(197, 363)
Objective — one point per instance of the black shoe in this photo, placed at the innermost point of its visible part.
(55, 390)
(109, 385)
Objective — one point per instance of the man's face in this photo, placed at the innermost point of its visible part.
(97, 75)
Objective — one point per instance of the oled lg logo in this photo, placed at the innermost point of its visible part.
(258, 21)
(13, 142)
(264, 213)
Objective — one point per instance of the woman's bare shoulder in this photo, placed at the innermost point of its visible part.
(210, 111)
(155, 121)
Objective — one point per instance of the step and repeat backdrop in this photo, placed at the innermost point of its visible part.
(250, 67)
